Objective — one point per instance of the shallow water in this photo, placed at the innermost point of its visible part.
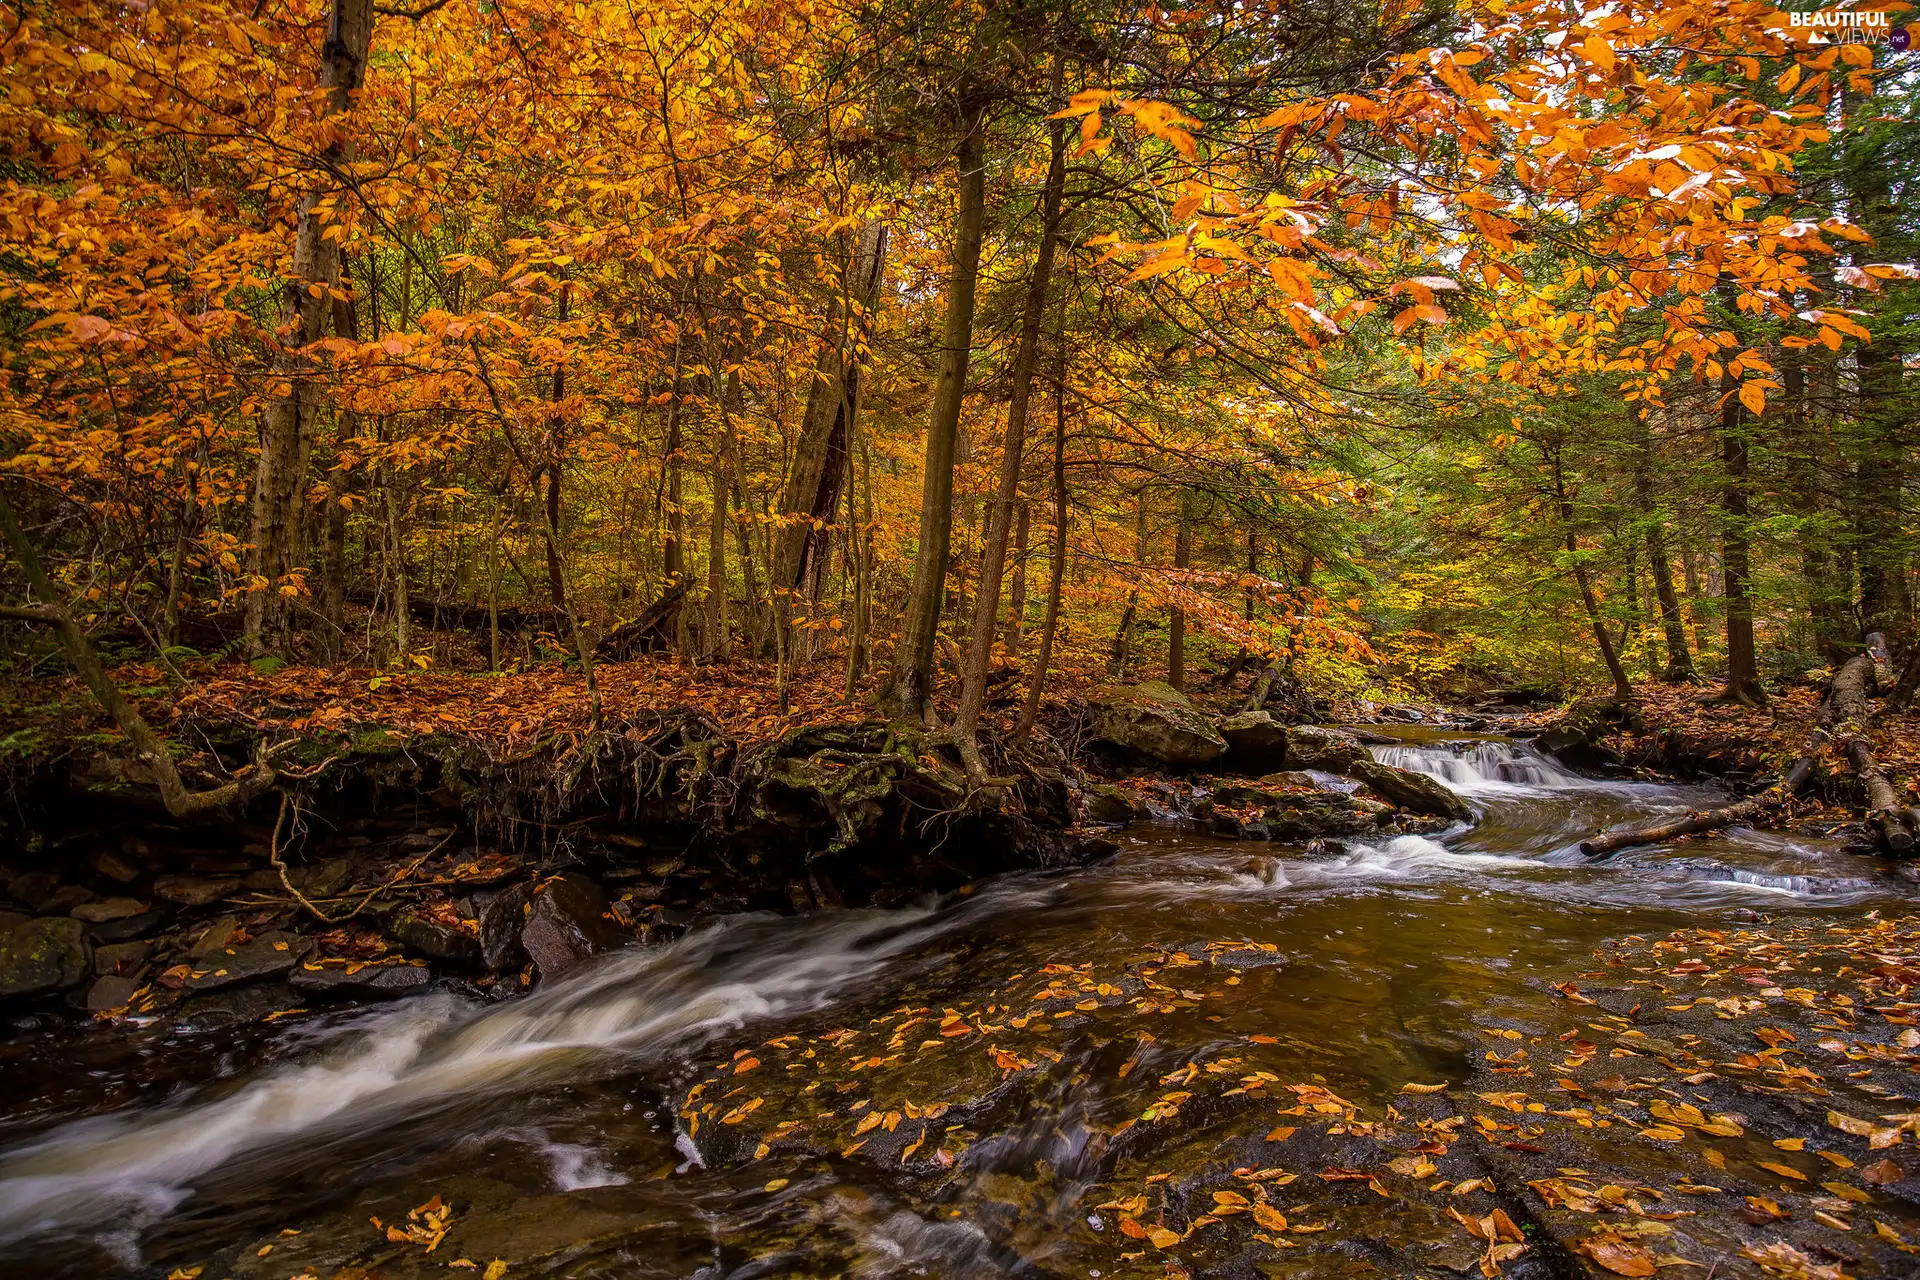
(557, 1116)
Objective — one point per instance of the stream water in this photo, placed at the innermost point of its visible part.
(554, 1121)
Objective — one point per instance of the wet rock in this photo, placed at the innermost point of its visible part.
(324, 880)
(1315, 747)
(214, 937)
(32, 888)
(63, 900)
(121, 958)
(501, 920)
(569, 921)
(118, 866)
(1409, 790)
(342, 980)
(194, 891)
(1256, 742)
(239, 1007)
(434, 938)
(48, 954)
(1104, 802)
(1153, 720)
(110, 992)
(1575, 739)
(126, 928)
(271, 955)
(108, 909)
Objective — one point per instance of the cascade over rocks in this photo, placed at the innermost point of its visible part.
(1155, 721)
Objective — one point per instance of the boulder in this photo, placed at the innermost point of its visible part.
(1323, 813)
(42, 955)
(1410, 790)
(1256, 742)
(271, 955)
(1155, 721)
(1329, 750)
(347, 981)
(1106, 803)
(569, 921)
(435, 938)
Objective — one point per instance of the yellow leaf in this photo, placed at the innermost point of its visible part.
(1599, 53)
(495, 1270)
(1784, 1170)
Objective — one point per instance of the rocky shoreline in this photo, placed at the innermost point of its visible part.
(393, 863)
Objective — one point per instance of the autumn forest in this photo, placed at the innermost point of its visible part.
(545, 499)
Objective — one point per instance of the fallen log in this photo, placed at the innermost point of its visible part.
(650, 632)
(1843, 716)
(1614, 839)
(1847, 709)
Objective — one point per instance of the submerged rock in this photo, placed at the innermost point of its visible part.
(570, 921)
(1410, 790)
(42, 955)
(1154, 720)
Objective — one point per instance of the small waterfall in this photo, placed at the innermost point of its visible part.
(1481, 765)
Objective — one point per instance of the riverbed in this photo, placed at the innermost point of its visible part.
(984, 1085)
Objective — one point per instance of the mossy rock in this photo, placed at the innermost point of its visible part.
(1155, 721)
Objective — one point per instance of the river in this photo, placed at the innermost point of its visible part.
(560, 1126)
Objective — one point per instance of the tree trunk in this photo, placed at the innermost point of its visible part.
(717, 642)
(1660, 568)
(910, 687)
(986, 608)
(287, 424)
(1622, 687)
(1017, 588)
(1057, 562)
(1177, 621)
(556, 470)
(1743, 666)
(818, 470)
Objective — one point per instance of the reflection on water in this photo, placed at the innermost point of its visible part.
(1391, 948)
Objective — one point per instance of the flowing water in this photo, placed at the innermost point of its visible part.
(556, 1121)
